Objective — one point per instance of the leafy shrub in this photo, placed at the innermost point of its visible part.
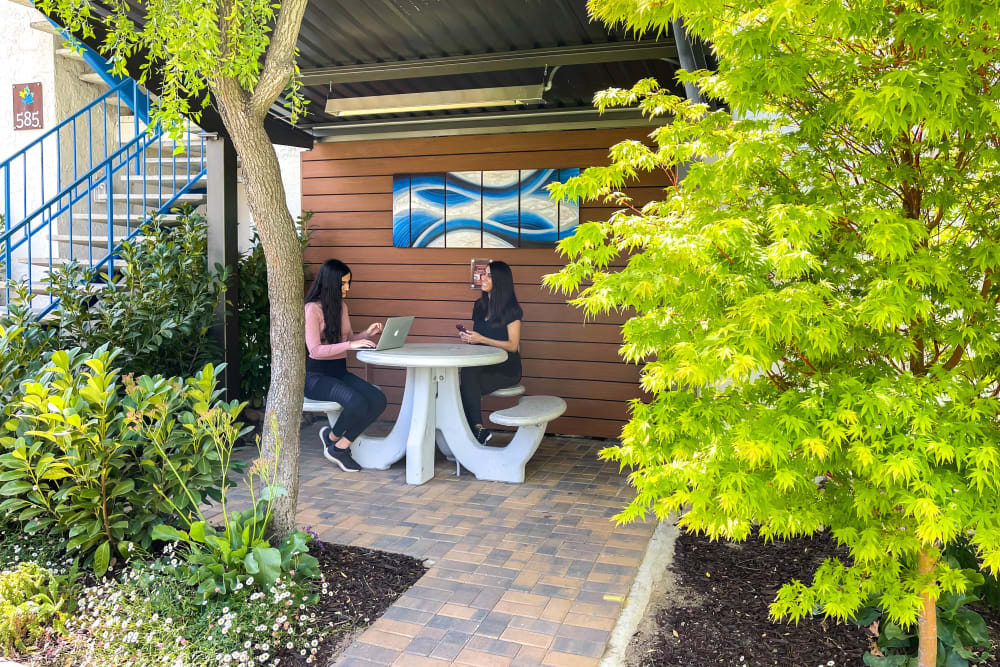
(254, 308)
(23, 343)
(75, 465)
(962, 635)
(220, 562)
(963, 554)
(32, 599)
(158, 308)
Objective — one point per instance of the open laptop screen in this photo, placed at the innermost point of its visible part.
(395, 332)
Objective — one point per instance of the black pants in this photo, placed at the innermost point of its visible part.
(362, 402)
(477, 381)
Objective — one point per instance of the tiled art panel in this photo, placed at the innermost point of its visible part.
(481, 209)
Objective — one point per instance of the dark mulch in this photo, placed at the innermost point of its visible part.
(364, 583)
(723, 592)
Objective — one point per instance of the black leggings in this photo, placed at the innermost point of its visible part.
(362, 402)
(477, 381)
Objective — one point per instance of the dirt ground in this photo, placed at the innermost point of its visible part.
(710, 607)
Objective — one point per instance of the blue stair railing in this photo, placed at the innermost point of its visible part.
(52, 186)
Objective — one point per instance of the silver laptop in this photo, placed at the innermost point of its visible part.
(394, 333)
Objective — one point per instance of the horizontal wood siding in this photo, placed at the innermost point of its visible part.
(348, 186)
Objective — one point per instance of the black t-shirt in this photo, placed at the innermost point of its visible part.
(496, 328)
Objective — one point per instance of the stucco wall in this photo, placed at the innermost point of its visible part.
(291, 178)
(28, 56)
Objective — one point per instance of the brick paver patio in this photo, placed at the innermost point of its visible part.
(522, 574)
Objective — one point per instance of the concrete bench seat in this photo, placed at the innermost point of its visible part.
(506, 464)
(506, 392)
(331, 409)
(530, 411)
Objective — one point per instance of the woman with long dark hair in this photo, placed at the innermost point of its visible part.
(328, 338)
(496, 321)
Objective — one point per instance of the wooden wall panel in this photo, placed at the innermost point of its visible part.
(348, 186)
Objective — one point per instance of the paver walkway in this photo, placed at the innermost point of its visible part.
(522, 574)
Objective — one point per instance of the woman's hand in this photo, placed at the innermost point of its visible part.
(471, 337)
(373, 329)
(362, 343)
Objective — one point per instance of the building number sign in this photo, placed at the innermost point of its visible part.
(28, 106)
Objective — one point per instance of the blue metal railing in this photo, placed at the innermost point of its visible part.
(54, 187)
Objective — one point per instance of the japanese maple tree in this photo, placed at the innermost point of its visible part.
(816, 301)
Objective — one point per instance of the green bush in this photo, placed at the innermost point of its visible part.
(158, 308)
(32, 599)
(238, 555)
(962, 635)
(23, 343)
(254, 308)
(75, 464)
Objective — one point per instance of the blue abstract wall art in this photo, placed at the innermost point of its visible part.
(481, 209)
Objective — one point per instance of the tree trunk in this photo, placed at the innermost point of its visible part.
(283, 255)
(927, 623)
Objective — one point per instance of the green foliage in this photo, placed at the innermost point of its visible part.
(202, 48)
(962, 634)
(254, 308)
(821, 286)
(23, 343)
(32, 600)
(963, 553)
(238, 556)
(147, 618)
(75, 465)
(159, 307)
(221, 562)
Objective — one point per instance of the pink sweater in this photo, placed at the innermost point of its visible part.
(314, 334)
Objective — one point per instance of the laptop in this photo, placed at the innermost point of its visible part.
(394, 333)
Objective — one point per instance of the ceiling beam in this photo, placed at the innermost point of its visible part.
(492, 62)
(538, 120)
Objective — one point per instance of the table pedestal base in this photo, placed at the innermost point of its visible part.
(380, 453)
(454, 437)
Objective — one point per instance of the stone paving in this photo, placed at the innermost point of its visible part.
(521, 574)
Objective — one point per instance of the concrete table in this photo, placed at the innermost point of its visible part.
(431, 403)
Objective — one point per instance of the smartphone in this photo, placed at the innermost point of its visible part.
(461, 327)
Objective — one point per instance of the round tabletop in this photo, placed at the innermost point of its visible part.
(424, 355)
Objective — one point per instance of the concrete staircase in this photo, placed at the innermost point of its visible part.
(145, 184)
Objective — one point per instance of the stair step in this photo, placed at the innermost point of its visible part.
(162, 149)
(92, 77)
(46, 26)
(43, 263)
(71, 54)
(119, 219)
(24, 3)
(97, 241)
(114, 102)
(178, 176)
(136, 199)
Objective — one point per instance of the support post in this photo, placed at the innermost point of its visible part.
(691, 54)
(223, 248)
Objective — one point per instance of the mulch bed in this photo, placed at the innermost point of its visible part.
(720, 609)
(364, 582)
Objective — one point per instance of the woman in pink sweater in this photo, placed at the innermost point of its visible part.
(328, 337)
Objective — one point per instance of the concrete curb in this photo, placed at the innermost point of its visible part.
(659, 556)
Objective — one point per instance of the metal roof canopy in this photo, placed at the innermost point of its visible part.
(368, 48)
(377, 48)
(492, 62)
